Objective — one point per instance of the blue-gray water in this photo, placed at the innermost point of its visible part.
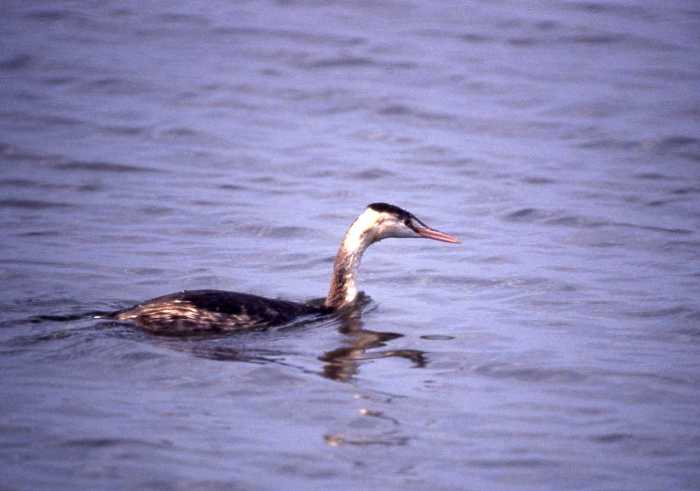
(149, 147)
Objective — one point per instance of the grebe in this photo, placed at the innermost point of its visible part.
(214, 310)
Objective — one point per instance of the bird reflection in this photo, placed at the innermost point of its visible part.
(340, 364)
(343, 363)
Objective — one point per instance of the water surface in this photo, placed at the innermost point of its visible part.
(151, 148)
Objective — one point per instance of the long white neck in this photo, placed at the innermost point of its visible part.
(359, 236)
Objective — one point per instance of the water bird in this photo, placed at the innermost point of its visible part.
(196, 311)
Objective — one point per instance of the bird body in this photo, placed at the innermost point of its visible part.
(194, 311)
(215, 310)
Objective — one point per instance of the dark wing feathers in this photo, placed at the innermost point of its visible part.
(212, 310)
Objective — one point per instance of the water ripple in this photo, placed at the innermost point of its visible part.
(309, 37)
(354, 62)
(16, 62)
(98, 166)
(33, 204)
(512, 463)
(97, 443)
(530, 374)
(549, 217)
(285, 231)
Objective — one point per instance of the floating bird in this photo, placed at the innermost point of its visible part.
(195, 311)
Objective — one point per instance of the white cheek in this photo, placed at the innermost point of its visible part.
(394, 230)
